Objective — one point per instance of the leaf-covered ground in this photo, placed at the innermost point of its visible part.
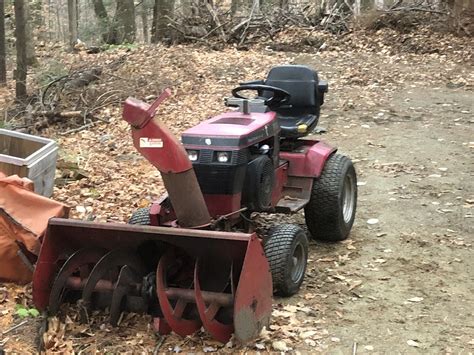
(400, 105)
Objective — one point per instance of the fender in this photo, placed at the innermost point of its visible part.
(310, 160)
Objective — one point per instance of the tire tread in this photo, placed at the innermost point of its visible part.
(323, 210)
(141, 216)
(277, 248)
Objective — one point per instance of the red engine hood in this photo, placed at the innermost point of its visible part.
(232, 129)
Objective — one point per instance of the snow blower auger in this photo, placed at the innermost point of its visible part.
(191, 259)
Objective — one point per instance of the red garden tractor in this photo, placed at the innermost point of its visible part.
(192, 259)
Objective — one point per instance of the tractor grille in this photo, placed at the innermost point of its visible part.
(220, 179)
(206, 156)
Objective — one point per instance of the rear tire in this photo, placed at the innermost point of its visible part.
(331, 210)
(141, 217)
(286, 249)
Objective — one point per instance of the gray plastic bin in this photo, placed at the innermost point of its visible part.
(29, 156)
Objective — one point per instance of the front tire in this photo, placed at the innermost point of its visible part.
(331, 210)
(141, 217)
(286, 249)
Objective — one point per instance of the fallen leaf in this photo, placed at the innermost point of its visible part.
(307, 334)
(279, 345)
(290, 308)
(413, 343)
(355, 284)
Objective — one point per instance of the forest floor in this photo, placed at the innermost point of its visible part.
(401, 106)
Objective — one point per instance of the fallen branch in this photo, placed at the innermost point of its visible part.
(14, 327)
(216, 20)
(62, 114)
(185, 35)
(244, 34)
(75, 130)
(417, 9)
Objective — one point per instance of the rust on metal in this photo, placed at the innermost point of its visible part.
(222, 299)
(203, 277)
(173, 314)
(187, 199)
(80, 263)
(208, 309)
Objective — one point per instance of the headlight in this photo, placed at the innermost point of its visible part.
(193, 155)
(223, 157)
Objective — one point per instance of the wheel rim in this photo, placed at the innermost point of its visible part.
(348, 198)
(298, 263)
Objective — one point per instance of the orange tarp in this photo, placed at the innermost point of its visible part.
(24, 217)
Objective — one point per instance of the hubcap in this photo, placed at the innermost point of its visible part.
(348, 198)
(298, 263)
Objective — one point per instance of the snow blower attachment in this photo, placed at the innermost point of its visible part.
(186, 278)
(191, 259)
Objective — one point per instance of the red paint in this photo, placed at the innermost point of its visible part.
(171, 157)
(221, 332)
(160, 326)
(253, 297)
(64, 236)
(310, 161)
(219, 205)
(160, 215)
(281, 178)
(45, 270)
(231, 125)
(173, 314)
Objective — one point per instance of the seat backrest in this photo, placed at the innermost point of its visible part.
(300, 81)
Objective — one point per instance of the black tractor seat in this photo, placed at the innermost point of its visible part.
(296, 122)
(301, 114)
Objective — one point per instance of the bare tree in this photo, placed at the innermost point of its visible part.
(30, 42)
(144, 16)
(121, 28)
(125, 21)
(72, 20)
(3, 65)
(20, 33)
(104, 23)
(162, 10)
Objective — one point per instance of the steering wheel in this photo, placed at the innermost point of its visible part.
(279, 96)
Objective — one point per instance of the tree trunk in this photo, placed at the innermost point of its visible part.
(144, 16)
(100, 10)
(30, 41)
(59, 31)
(101, 14)
(20, 33)
(160, 29)
(72, 20)
(3, 64)
(125, 21)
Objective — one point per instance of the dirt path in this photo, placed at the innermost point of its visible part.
(406, 284)
(402, 285)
